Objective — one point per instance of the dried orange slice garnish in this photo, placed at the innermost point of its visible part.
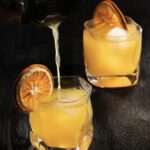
(33, 83)
(107, 11)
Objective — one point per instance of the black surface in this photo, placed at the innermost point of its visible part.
(121, 116)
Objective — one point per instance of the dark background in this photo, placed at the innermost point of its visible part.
(121, 116)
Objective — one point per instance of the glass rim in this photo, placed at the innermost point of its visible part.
(87, 92)
(139, 30)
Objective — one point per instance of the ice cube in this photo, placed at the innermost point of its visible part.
(116, 32)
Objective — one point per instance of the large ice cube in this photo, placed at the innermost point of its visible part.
(108, 31)
(116, 32)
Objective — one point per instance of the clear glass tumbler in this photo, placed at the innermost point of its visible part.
(66, 121)
(111, 54)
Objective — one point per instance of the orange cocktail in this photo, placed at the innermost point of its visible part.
(59, 117)
(112, 54)
(66, 120)
(60, 123)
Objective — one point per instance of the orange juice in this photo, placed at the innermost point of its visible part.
(60, 122)
(112, 59)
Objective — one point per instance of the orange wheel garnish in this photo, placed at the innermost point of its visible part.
(31, 85)
(108, 11)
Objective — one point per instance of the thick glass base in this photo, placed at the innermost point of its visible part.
(115, 81)
(38, 144)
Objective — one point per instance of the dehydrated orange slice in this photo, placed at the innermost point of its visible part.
(33, 83)
(107, 11)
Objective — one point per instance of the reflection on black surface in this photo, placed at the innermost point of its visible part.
(121, 117)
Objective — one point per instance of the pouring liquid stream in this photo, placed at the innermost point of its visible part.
(53, 21)
(54, 28)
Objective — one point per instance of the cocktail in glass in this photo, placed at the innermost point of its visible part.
(65, 122)
(112, 60)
